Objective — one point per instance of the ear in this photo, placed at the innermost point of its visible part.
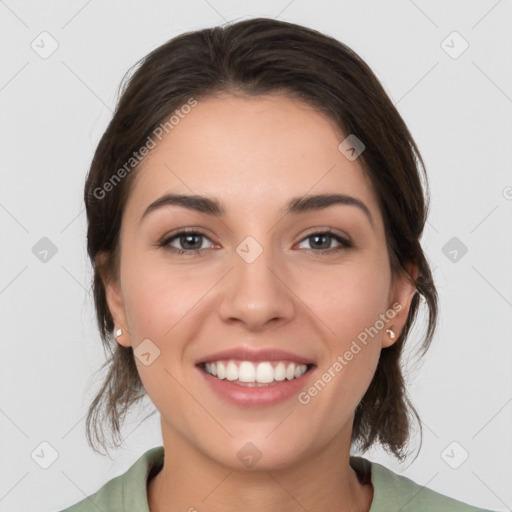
(402, 292)
(114, 299)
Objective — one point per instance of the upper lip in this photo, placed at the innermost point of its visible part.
(256, 355)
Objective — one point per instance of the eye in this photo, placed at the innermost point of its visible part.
(190, 240)
(322, 239)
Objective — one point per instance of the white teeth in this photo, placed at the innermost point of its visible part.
(249, 372)
(280, 372)
(265, 373)
(232, 371)
(221, 370)
(246, 372)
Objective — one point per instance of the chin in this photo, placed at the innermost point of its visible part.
(258, 454)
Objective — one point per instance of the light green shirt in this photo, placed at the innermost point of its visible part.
(391, 492)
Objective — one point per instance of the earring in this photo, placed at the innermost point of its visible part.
(391, 333)
(119, 332)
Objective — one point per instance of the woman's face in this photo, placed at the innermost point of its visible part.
(268, 284)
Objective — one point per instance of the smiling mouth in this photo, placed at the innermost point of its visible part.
(251, 374)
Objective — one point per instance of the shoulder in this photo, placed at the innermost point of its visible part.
(394, 492)
(124, 492)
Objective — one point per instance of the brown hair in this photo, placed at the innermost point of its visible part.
(253, 57)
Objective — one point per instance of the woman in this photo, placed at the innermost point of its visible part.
(255, 209)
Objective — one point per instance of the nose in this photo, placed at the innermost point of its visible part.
(257, 293)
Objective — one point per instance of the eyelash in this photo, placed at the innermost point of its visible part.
(345, 244)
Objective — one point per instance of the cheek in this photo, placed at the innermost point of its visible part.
(158, 296)
(349, 303)
(347, 299)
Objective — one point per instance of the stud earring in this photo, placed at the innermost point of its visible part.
(391, 333)
(119, 332)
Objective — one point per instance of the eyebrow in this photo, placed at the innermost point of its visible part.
(296, 205)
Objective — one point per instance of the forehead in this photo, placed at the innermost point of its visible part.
(253, 153)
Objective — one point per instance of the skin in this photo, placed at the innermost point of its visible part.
(254, 154)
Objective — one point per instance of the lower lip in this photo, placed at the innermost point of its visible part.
(256, 396)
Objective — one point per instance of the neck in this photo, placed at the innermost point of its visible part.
(191, 481)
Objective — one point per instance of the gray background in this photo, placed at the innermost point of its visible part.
(53, 112)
